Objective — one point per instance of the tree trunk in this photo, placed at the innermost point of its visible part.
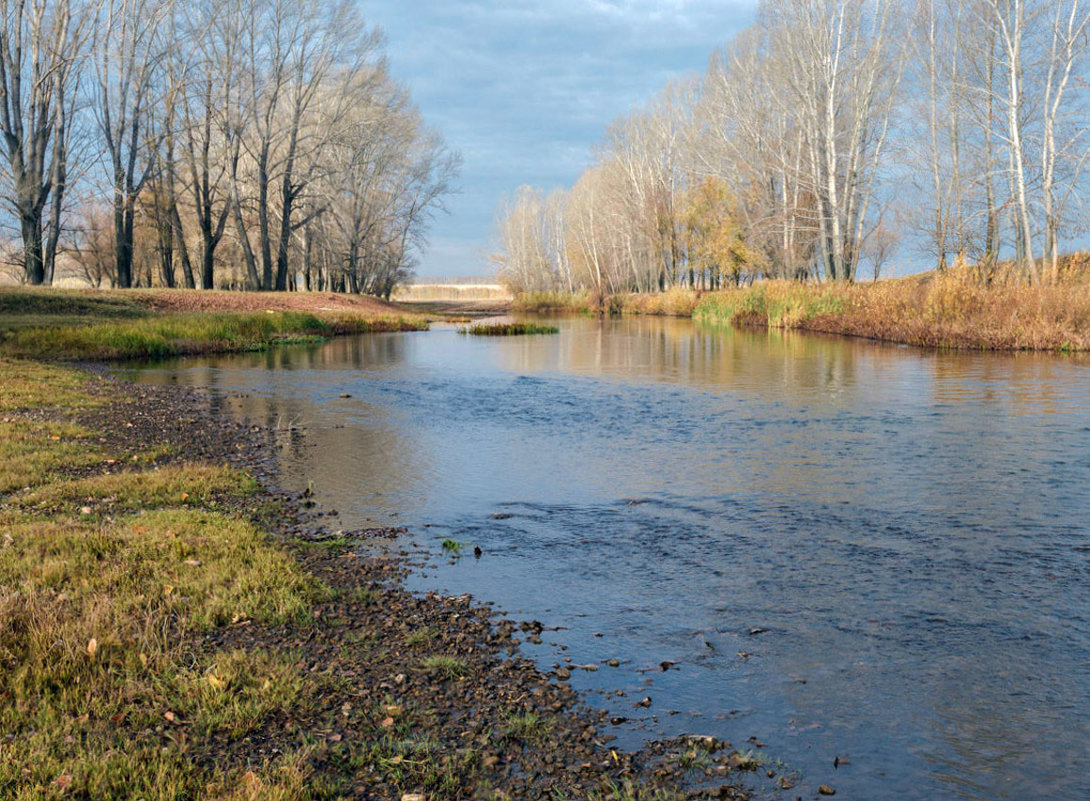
(34, 264)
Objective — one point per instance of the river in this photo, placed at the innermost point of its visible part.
(852, 552)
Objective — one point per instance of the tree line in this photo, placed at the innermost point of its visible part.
(823, 138)
(257, 144)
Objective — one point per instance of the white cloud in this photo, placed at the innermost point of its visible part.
(524, 88)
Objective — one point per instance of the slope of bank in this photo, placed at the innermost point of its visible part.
(86, 325)
(173, 629)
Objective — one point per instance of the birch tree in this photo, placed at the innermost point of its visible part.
(843, 67)
(1063, 139)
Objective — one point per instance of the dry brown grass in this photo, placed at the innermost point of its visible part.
(674, 302)
(949, 310)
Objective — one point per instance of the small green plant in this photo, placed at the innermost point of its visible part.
(420, 636)
(446, 667)
(694, 760)
(453, 547)
(529, 727)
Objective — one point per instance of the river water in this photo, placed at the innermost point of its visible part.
(852, 551)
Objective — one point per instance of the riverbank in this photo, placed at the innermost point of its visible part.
(84, 325)
(175, 629)
(949, 311)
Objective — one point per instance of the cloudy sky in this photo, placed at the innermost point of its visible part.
(525, 88)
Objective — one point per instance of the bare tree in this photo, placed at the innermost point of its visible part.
(127, 54)
(1063, 145)
(843, 66)
(40, 46)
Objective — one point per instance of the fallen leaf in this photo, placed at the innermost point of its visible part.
(193, 562)
(92, 647)
(216, 681)
(170, 717)
(387, 722)
(63, 782)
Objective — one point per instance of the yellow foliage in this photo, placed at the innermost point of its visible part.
(716, 237)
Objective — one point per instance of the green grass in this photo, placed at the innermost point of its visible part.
(777, 304)
(177, 335)
(508, 329)
(101, 680)
(34, 452)
(421, 636)
(446, 667)
(529, 727)
(189, 486)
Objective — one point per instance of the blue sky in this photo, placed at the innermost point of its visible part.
(524, 89)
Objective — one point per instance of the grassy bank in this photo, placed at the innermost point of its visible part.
(109, 575)
(946, 311)
(88, 326)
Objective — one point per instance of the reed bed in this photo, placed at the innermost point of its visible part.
(580, 302)
(674, 302)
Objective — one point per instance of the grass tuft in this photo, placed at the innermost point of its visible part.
(446, 667)
(508, 329)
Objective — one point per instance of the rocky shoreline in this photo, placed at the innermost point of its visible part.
(411, 697)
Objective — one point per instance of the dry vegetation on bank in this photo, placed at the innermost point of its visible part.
(953, 309)
(937, 310)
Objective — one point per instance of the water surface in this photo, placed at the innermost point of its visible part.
(849, 550)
